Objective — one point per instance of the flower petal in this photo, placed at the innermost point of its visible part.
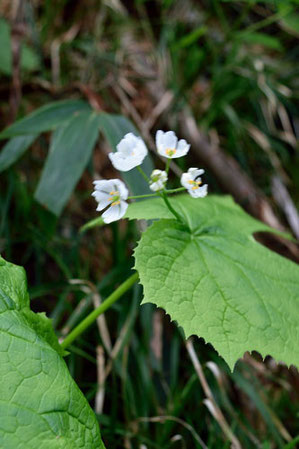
(122, 189)
(201, 192)
(130, 153)
(104, 185)
(156, 186)
(141, 149)
(114, 213)
(170, 140)
(158, 180)
(102, 198)
(182, 148)
(195, 172)
(185, 178)
(159, 140)
(123, 163)
(123, 208)
(102, 205)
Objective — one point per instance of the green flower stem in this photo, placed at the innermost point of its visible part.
(143, 174)
(179, 189)
(167, 165)
(148, 195)
(90, 319)
(164, 196)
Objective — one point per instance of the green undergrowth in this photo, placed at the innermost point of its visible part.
(234, 64)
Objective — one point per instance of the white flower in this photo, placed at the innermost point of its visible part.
(192, 182)
(158, 180)
(111, 193)
(169, 146)
(130, 153)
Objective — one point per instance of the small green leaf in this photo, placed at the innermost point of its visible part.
(292, 444)
(216, 281)
(29, 58)
(70, 150)
(41, 407)
(46, 118)
(291, 23)
(95, 222)
(260, 39)
(14, 149)
(192, 37)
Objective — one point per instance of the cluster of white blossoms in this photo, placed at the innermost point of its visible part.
(131, 152)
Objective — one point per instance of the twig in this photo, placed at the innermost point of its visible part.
(89, 288)
(100, 395)
(284, 200)
(68, 36)
(210, 401)
(262, 140)
(157, 335)
(17, 33)
(162, 419)
(219, 378)
(101, 322)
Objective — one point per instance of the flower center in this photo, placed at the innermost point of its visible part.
(114, 197)
(170, 151)
(195, 184)
(155, 178)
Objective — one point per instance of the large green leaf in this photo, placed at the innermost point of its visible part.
(41, 407)
(114, 127)
(216, 281)
(70, 150)
(46, 118)
(14, 149)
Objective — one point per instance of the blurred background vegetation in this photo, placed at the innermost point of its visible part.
(224, 75)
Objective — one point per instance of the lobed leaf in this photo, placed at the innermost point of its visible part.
(216, 281)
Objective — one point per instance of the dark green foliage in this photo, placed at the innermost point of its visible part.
(234, 63)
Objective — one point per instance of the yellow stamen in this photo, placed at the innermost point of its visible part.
(170, 151)
(114, 197)
(195, 184)
(115, 203)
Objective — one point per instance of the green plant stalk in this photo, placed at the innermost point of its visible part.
(135, 197)
(149, 195)
(143, 174)
(179, 189)
(167, 165)
(90, 319)
(268, 20)
(164, 196)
